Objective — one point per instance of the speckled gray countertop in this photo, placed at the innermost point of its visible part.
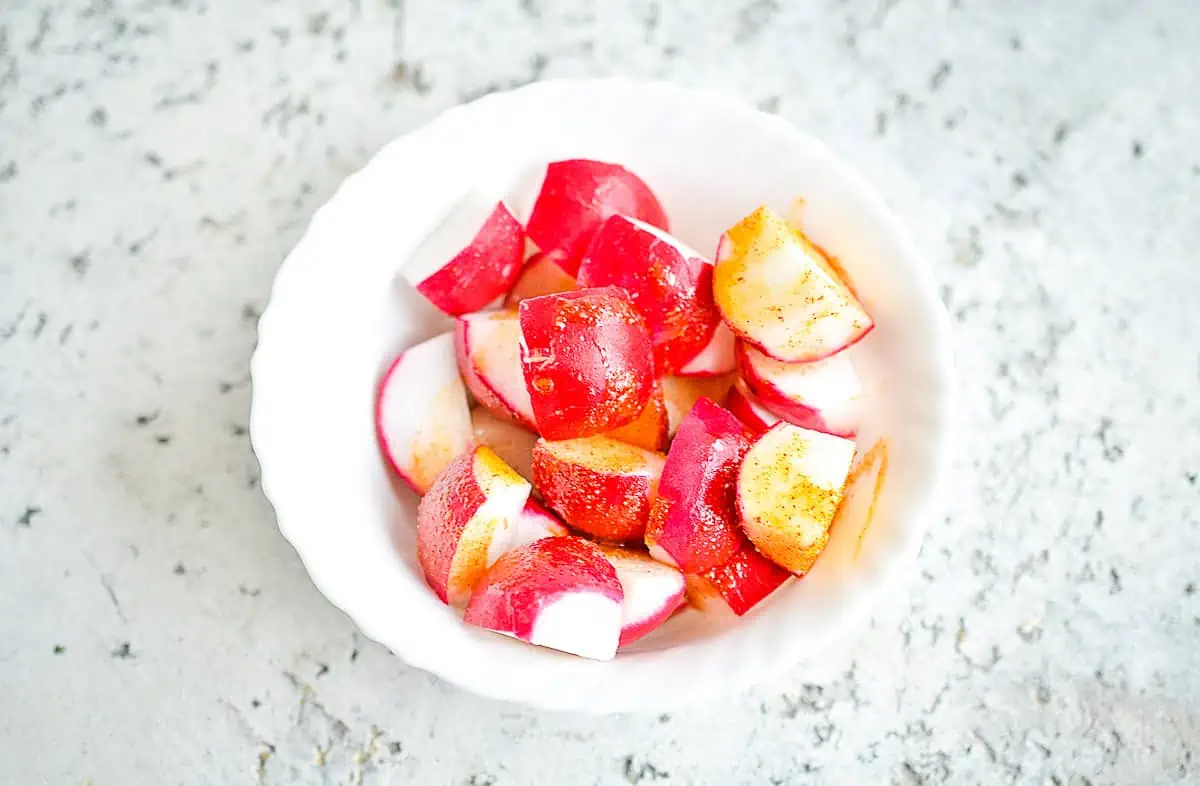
(158, 158)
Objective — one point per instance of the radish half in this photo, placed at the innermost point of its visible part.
(471, 258)
(556, 592)
(488, 350)
(421, 412)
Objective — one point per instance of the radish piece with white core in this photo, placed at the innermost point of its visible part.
(789, 488)
(576, 196)
(488, 350)
(651, 429)
(749, 410)
(824, 395)
(511, 442)
(472, 257)
(668, 282)
(598, 485)
(466, 522)
(556, 592)
(693, 521)
(776, 291)
(422, 414)
(653, 591)
(716, 358)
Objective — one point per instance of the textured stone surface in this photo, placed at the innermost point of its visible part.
(159, 158)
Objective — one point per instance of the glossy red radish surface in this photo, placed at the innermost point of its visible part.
(512, 443)
(421, 413)
(471, 258)
(587, 361)
(465, 522)
(651, 429)
(542, 275)
(776, 291)
(669, 283)
(740, 583)
(716, 358)
(824, 395)
(488, 350)
(556, 592)
(789, 487)
(749, 410)
(598, 485)
(653, 591)
(575, 198)
(681, 393)
(693, 521)
(535, 523)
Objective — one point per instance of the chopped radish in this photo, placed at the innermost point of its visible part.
(651, 429)
(587, 360)
(511, 442)
(466, 522)
(741, 402)
(471, 258)
(824, 395)
(694, 518)
(556, 592)
(598, 485)
(421, 413)
(653, 591)
(535, 523)
(681, 393)
(488, 349)
(542, 275)
(788, 489)
(669, 283)
(716, 358)
(738, 584)
(777, 292)
(575, 198)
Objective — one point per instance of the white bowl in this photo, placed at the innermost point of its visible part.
(339, 312)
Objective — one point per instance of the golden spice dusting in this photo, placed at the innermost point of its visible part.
(600, 453)
(491, 472)
(435, 445)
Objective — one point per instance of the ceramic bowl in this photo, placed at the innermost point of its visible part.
(339, 312)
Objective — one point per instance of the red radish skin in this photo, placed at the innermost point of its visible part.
(488, 351)
(468, 278)
(466, 520)
(598, 485)
(669, 283)
(716, 359)
(824, 395)
(512, 443)
(576, 197)
(522, 589)
(542, 275)
(693, 521)
(587, 361)
(746, 408)
(789, 487)
(653, 591)
(421, 412)
(740, 583)
(681, 393)
(778, 293)
(651, 429)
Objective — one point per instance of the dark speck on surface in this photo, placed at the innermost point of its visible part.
(255, 703)
(162, 439)
(322, 669)
(8, 171)
(250, 593)
(26, 518)
(123, 652)
(395, 748)
(939, 76)
(237, 430)
(1137, 149)
(59, 649)
(80, 264)
(153, 159)
(1015, 44)
(179, 569)
(147, 418)
(40, 325)
(1190, 589)
(1060, 133)
(99, 116)
(1019, 179)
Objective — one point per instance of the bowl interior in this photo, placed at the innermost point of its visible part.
(339, 312)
